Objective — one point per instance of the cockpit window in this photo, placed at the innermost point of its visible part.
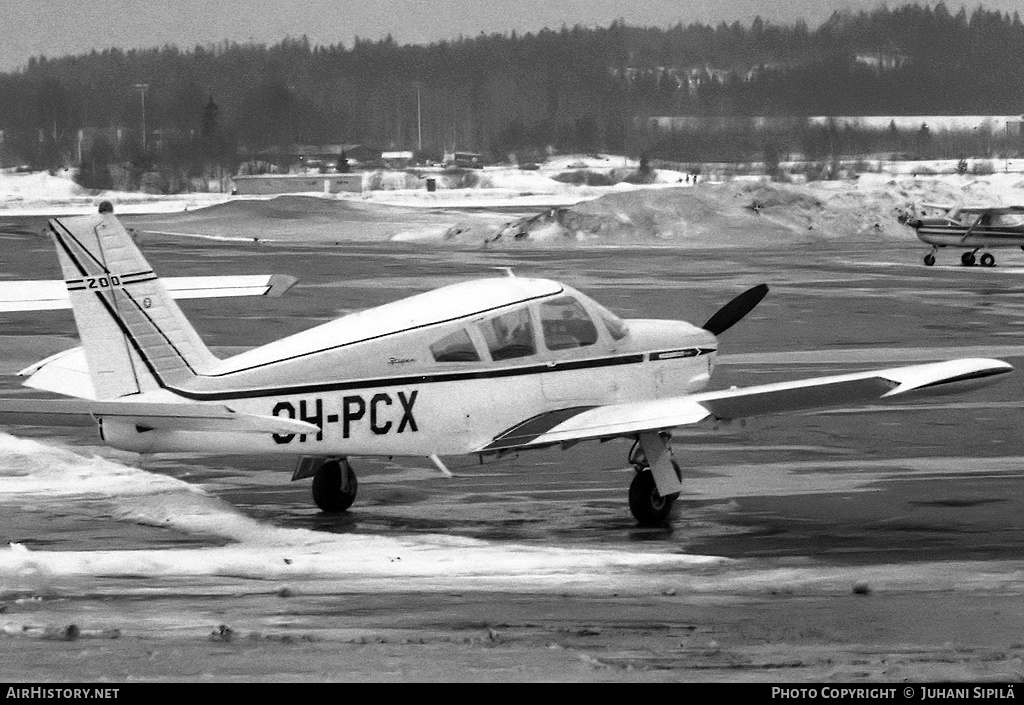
(566, 324)
(616, 326)
(457, 347)
(509, 335)
(1008, 220)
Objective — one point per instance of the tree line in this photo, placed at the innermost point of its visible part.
(578, 88)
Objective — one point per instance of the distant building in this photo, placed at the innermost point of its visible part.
(397, 160)
(468, 160)
(264, 184)
(315, 157)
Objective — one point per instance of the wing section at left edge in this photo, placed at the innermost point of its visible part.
(170, 416)
(52, 294)
(629, 418)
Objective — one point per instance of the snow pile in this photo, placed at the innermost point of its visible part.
(57, 482)
(42, 193)
(575, 200)
(18, 186)
(752, 212)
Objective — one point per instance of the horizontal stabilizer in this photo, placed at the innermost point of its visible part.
(183, 417)
(52, 295)
(630, 418)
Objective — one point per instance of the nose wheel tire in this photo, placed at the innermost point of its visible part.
(929, 259)
(988, 260)
(648, 506)
(335, 486)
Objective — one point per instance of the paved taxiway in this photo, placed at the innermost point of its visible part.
(881, 544)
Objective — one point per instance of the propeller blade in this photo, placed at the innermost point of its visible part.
(736, 309)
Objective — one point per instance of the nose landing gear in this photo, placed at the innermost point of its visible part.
(656, 486)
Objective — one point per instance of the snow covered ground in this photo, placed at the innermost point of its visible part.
(870, 199)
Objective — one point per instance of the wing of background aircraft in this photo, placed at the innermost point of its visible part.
(990, 209)
(188, 417)
(47, 295)
(630, 418)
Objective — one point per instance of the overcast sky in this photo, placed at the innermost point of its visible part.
(59, 27)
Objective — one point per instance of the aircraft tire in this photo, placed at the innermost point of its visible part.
(929, 259)
(327, 490)
(967, 259)
(648, 507)
(988, 260)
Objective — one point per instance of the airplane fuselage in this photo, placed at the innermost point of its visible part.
(387, 394)
(943, 233)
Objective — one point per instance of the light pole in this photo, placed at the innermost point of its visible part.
(142, 88)
(419, 121)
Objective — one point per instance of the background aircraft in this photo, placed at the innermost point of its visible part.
(973, 228)
(482, 367)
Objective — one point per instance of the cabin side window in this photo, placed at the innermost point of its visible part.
(509, 335)
(566, 324)
(457, 347)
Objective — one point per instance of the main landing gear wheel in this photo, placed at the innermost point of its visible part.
(988, 260)
(967, 259)
(647, 505)
(929, 259)
(335, 486)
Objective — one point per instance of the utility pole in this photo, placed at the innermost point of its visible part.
(142, 88)
(419, 120)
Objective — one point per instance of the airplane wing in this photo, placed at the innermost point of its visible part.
(49, 295)
(631, 418)
(186, 417)
(995, 210)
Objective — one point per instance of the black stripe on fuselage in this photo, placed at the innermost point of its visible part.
(527, 431)
(426, 378)
(681, 353)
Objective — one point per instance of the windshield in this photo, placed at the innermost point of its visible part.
(617, 327)
(566, 324)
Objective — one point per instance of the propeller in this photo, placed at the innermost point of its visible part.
(732, 312)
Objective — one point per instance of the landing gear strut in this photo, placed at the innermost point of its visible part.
(654, 488)
(335, 486)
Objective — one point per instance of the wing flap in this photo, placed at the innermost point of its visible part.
(186, 417)
(630, 418)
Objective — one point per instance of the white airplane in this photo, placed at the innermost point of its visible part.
(482, 367)
(972, 228)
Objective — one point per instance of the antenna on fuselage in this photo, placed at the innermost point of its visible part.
(507, 270)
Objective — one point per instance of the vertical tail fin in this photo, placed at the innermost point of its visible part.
(135, 337)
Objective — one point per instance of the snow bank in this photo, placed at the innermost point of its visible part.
(55, 481)
(572, 200)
